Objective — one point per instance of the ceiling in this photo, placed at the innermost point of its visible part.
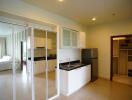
(83, 10)
(7, 29)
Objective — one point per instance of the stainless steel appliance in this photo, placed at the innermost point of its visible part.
(90, 56)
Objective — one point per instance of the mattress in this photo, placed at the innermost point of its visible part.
(5, 63)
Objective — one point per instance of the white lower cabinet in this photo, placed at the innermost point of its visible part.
(51, 65)
(71, 81)
(39, 66)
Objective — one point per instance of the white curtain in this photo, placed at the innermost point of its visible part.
(2, 46)
(18, 38)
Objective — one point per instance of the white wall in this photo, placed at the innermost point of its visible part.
(99, 37)
(69, 54)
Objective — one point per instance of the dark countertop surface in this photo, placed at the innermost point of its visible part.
(42, 58)
(73, 65)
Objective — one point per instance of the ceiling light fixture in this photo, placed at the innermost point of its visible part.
(93, 19)
(60, 0)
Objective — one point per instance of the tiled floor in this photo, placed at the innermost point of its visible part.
(101, 90)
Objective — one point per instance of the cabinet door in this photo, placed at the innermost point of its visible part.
(74, 38)
(49, 43)
(39, 67)
(66, 35)
(39, 42)
(51, 65)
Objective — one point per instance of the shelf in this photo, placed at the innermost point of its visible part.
(130, 55)
(125, 49)
(115, 56)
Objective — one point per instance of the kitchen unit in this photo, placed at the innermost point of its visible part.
(39, 64)
(72, 38)
(73, 77)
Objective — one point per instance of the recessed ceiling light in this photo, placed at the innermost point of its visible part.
(93, 19)
(60, 0)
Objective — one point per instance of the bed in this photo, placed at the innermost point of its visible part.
(5, 63)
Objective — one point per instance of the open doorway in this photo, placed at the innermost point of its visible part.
(121, 59)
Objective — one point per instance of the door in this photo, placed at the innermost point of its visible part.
(52, 64)
(23, 76)
(6, 62)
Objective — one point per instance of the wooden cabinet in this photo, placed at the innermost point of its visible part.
(69, 38)
(40, 42)
(71, 81)
(122, 58)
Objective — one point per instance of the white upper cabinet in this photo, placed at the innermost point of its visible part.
(69, 38)
(72, 39)
(82, 38)
(66, 35)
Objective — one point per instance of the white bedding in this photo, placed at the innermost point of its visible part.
(5, 63)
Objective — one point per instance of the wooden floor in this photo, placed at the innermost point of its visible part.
(101, 90)
(23, 85)
(98, 90)
(123, 79)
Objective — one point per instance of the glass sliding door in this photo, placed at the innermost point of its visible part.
(6, 61)
(28, 63)
(40, 64)
(22, 55)
(45, 62)
(52, 63)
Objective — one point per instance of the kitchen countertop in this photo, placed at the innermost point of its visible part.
(42, 58)
(73, 65)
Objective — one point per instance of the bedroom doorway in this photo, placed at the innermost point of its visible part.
(121, 59)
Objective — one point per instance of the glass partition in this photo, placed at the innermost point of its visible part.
(52, 63)
(39, 64)
(6, 76)
(26, 73)
(22, 55)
